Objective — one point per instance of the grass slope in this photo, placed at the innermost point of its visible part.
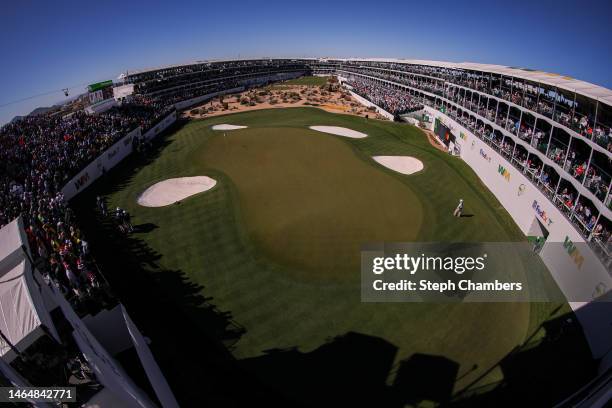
(218, 241)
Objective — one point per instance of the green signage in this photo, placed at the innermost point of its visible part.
(99, 85)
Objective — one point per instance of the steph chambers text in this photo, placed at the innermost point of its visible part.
(425, 285)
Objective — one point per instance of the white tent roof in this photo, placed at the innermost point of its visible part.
(22, 307)
(12, 237)
(19, 319)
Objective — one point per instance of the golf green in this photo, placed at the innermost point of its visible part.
(309, 201)
(275, 242)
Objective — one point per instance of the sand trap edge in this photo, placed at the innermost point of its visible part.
(225, 126)
(173, 190)
(402, 164)
(339, 131)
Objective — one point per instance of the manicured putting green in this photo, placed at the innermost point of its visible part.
(308, 201)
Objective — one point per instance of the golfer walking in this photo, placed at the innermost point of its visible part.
(459, 209)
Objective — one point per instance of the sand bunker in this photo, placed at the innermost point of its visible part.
(225, 126)
(401, 164)
(175, 189)
(340, 131)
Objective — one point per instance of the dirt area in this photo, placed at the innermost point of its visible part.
(330, 97)
(433, 140)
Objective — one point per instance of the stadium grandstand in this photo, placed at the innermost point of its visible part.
(553, 133)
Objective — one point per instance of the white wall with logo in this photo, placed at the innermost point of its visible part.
(160, 127)
(106, 161)
(579, 274)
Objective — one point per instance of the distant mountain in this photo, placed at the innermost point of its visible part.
(38, 111)
(42, 110)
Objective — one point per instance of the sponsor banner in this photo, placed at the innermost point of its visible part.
(503, 171)
(99, 85)
(160, 127)
(106, 161)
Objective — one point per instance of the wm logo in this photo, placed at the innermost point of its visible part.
(573, 252)
(505, 173)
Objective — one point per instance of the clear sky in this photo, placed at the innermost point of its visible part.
(50, 45)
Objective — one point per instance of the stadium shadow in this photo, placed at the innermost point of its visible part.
(355, 369)
(144, 228)
(543, 371)
(191, 338)
(350, 370)
(424, 377)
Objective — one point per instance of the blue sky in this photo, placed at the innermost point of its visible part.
(50, 45)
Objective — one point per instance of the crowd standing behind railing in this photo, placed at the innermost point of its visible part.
(574, 162)
(392, 100)
(564, 107)
(580, 213)
(38, 155)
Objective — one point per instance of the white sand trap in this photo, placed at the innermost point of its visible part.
(401, 164)
(175, 189)
(340, 131)
(225, 126)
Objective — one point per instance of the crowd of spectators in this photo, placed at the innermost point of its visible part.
(581, 213)
(38, 155)
(556, 104)
(181, 78)
(596, 184)
(189, 93)
(392, 100)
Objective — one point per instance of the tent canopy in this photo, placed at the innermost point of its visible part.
(12, 238)
(22, 307)
(19, 319)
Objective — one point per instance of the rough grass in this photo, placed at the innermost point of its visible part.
(221, 241)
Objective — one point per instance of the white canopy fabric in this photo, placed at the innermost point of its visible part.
(12, 238)
(18, 316)
(22, 307)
